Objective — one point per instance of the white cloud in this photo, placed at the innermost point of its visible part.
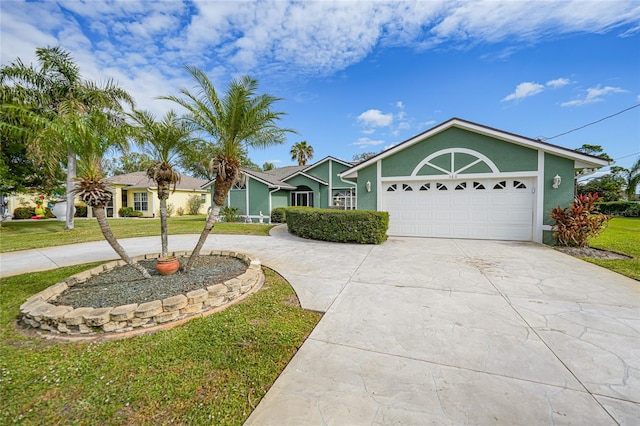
(366, 142)
(375, 118)
(400, 105)
(524, 90)
(369, 131)
(594, 94)
(558, 82)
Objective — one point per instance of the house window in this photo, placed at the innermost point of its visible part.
(406, 187)
(345, 200)
(478, 185)
(391, 188)
(140, 201)
(441, 186)
(425, 187)
(500, 185)
(302, 197)
(519, 185)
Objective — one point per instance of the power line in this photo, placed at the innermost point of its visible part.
(593, 122)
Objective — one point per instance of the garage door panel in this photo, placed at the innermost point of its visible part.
(483, 209)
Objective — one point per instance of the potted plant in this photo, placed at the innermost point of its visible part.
(167, 265)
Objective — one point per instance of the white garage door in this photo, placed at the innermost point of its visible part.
(493, 209)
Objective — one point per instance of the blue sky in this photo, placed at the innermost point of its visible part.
(363, 76)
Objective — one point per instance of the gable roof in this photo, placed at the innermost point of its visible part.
(581, 160)
(277, 177)
(141, 180)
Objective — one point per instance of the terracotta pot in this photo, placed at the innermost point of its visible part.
(168, 265)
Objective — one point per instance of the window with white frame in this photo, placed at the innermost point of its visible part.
(140, 201)
(302, 197)
(345, 200)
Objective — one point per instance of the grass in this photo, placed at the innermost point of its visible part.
(622, 236)
(23, 235)
(208, 371)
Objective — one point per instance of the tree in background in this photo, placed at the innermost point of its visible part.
(363, 156)
(164, 142)
(594, 150)
(127, 163)
(32, 97)
(631, 178)
(268, 166)
(608, 187)
(301, 152)
(238, 120)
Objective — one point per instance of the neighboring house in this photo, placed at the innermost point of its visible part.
(136, 190)
(464, 180)
(315, 185)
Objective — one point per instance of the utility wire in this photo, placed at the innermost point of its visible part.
(593, 122)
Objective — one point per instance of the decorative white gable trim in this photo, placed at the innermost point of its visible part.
(452, 172)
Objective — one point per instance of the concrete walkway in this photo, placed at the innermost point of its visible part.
(436, 331)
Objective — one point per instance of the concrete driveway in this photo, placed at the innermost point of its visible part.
(436, 331)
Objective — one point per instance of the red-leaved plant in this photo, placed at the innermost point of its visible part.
(578, 223)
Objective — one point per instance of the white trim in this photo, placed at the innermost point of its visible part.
(302, 173)
(507, 175)
(330, 191)
(452, 172)
(538, 212)
(246, 196)
(379, 185)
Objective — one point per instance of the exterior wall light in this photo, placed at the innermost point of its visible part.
(557, 180)
(368, 186)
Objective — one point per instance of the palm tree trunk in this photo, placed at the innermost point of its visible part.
(163, 227)
(70, 196)
(211, 220)
(111, 239)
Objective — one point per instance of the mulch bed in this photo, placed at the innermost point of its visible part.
(591, 253)
(124, 285)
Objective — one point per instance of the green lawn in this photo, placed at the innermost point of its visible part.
(622, 236)
(208, 371)
(23, 235)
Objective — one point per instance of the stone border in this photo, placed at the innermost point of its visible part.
(125, 320)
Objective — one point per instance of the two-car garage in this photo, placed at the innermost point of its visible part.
(497, 209)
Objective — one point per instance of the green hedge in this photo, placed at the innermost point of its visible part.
(278, 215)
(129, 212)
(359, 226)
(28, 212)
(620, 208)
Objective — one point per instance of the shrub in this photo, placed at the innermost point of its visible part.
(619, 208)
(278, 215)
(230, 214)
(170, 209)
(81, 211)
(23, 212)
(359, 226)
(180, 211)
(129, 212)
(576, 224)
(194, 202)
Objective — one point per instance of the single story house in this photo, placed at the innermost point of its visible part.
(465, 180)
(136, 190)
(316, 185)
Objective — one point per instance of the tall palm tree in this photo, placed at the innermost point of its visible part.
(165, 142)
(54, 89)
(91, 136)
(238, 120)
(631, 178)
(302, 152)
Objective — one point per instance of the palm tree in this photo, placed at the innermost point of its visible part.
(54, 89)
(268, 166)
(165, 142)
(91, 136)
(631, 178)
(237, 121)
(302, 152)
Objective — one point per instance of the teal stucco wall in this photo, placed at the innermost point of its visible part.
(367, 200)
(507, 157)
(563, 196)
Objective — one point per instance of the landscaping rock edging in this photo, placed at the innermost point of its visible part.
(39, 313)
